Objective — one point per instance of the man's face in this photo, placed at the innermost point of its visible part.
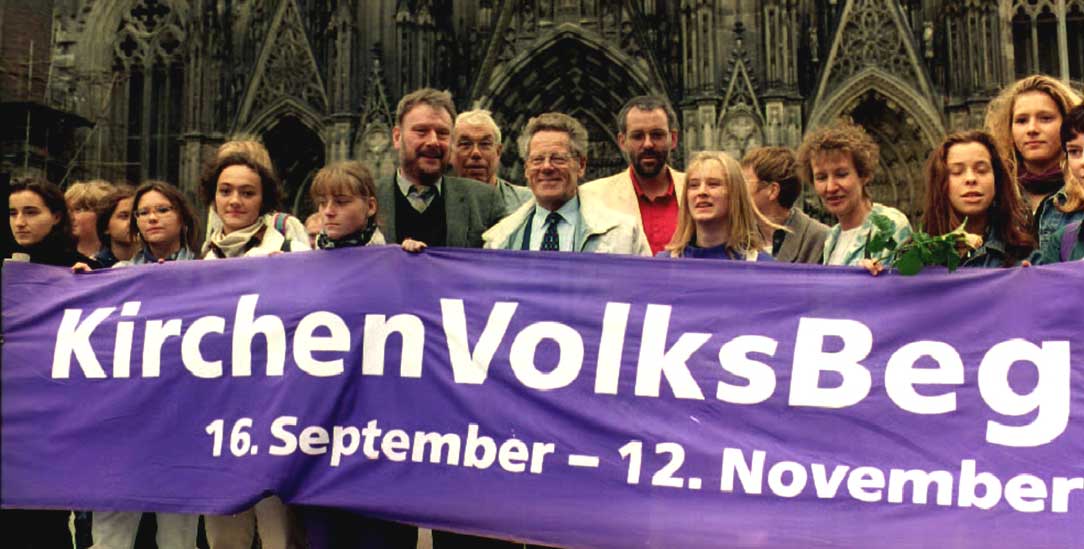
(422, 141)
(647, 141)
(763, 195)
(553, 172)
(476, 153)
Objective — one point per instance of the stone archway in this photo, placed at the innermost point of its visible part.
(297, 152)
(568, 71)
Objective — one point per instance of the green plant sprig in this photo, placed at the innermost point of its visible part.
(921, 250)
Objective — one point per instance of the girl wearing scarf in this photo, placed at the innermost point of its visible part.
(1025, 121)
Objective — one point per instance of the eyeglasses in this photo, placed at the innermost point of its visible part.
(557, 160)
(466, 145)
(157, 210)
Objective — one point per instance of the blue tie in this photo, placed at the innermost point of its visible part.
(550, 242)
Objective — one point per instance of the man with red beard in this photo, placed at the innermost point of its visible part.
(647, 131)
(476, 154)
(419, 202)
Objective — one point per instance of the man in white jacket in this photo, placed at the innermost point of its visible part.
(558, 217)
(649, 189)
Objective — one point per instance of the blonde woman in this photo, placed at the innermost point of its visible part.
(86, 200)
(1025, 121)
(716, 217)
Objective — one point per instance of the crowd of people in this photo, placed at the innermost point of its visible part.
(1018, 184)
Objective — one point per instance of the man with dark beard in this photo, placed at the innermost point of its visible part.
(419, 202)
(647, 132)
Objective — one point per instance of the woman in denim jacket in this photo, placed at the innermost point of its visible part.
(1025, 121)
(1066, 244)
(966, 179)
(840, 160)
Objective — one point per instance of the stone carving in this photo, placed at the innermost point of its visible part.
(287, 67)
(872, 34)
(149, 34)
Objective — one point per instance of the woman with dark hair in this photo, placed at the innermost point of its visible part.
(967, 179)
(244, 194)
(42, 230)
(114, 227)
(41, 225)
(1067, 243)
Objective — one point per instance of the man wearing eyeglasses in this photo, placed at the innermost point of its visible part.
(420, 203)
(476, 154)
(647, 132)
(559, 217)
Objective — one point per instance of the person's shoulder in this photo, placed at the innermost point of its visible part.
(896, 216)
(470, 186)
(604, 181)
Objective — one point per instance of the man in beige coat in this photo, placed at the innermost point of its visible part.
(649, 189)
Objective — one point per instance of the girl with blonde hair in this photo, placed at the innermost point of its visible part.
(1025, 121)
(716, 216)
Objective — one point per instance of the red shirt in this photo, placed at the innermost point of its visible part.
(659, 215)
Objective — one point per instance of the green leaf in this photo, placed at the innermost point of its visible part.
(909, 263)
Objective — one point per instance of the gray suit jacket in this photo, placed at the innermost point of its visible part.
(471, 207)
(805, 241)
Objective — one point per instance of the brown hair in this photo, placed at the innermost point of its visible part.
(271, 186)
(190, 233)
(109, 207)
(1007, 216)
(438, 99)
(60, 236)
(350, 177)
(842, 137)
(742, 216)
(778, 165)
(1072, 126)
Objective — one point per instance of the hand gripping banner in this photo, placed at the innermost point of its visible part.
(574, 400)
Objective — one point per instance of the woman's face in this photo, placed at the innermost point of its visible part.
(1036, 130)
(971, 183)
(837, 182)
(706, 193)
(120, 222)
(30, 218)
(158, 220)
(345, 214)
(84, 221)
(238, 197)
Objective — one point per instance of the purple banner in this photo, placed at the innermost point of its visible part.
(574, 400)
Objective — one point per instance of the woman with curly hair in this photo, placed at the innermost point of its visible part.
(840, 160)
(1025, 121)
(966, 179)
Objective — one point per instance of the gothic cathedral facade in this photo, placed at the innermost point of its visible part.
(163, 82)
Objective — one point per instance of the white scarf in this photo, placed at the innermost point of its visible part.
(235, 243)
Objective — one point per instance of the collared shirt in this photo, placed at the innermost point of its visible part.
(512, 196)
(414, 195)
(566, 228)
(659, 215)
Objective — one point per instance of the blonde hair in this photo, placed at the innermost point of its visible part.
(247, 147)
(999, 115)
(742, 216)
(91, 195)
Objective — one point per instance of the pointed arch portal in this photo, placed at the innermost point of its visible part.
(570, 72)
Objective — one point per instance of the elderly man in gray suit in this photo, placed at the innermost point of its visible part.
(772, 177)
(420, 202)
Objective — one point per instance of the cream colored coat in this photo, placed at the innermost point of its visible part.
(600, 230)
(617, 193)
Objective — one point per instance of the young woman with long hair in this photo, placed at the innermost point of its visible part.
(966, 179)
(716, 216)
(1025, 121)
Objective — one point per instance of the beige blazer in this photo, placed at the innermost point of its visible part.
(616, 192)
